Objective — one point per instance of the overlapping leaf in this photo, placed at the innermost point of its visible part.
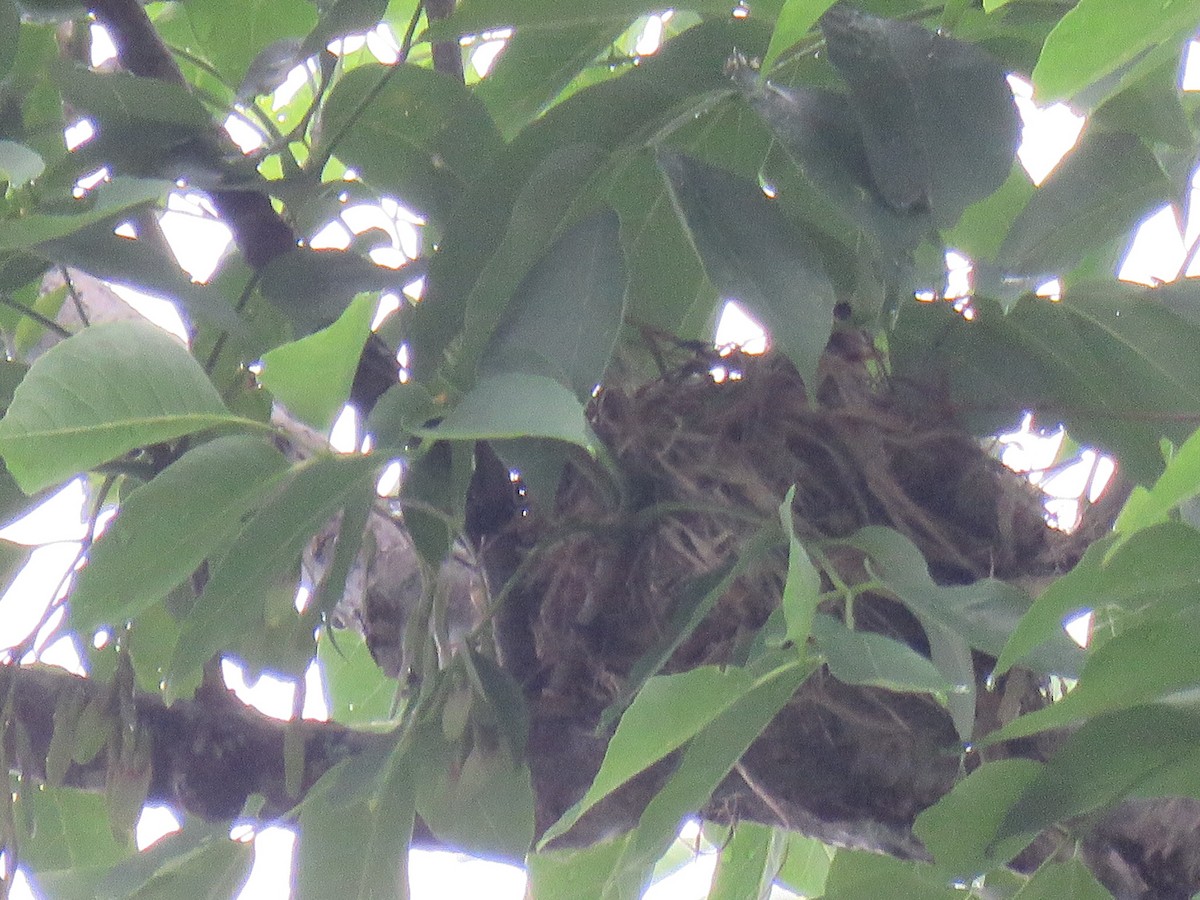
(754, 255)
(106, 391)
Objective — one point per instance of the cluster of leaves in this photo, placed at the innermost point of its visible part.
(575, 189)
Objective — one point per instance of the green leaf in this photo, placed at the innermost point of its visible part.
(564, 318)
(513, 405)
(1055, 880)
(705, 763)
(230, 33)
(169, 526)
(748, 862)
(855, 874)
(1155, 569)
(485, 806)
(907, 83)
(109, 389)
(341, 18)
(614, 115)
(1117, 368)
(753, 254)
(267, 548)
(359, 693)
(1104, 761)
(794, 23)
(805, 865)
(536, 66)
(199, 861)
(312, 376)
(802, 589)
(106, 204)
(119, 99)
(583, 873)
(474, 16)
(540, 209)
(1097, 193)
(1095, 39)
(358, 848)
(960, 829)
(1143, 665)
(313, 287)
(19, 165)
(409, 131)
(71, 831)
(667, 712)
(1179, 482)
(984, 613)
(862, 657)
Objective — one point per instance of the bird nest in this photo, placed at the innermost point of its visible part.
(708, 452)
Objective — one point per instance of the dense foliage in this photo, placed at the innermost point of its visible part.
(815, 545)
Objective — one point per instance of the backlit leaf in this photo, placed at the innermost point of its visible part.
(147, 550)
(101, 393)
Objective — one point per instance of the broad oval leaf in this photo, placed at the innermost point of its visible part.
(1095, 195)
(795, 20)
(409, 131)
(564, 318)
(1108, 758)
(101, 393)
(753, 254)
(515, 405)
(861, 657)
(1097, 38)
(167, 527)
(267, 549)
(938, 120)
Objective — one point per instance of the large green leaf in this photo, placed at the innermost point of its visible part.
(356, 847)
(1109, 757)
(907, 83)
(1179, 482)
(1144, 665)
(266, 550)
(564, 318)
(229, 34)
(514, 405)
(1055, 880)
(862, 657)
(984, 613)
(170, 525)
(71, 831)
(536, 66)
(618, 113)
(754, 255)
(199, 861)
(1096, 194)
(1096, 39)
(119, 99)
(805, 866)
(818, 131)
(704, 764)
(748, 862)
(358, 691)
(1118, 368)
(855, 874)
(409, 131)
(667, 712)
(1157, 568)
(109, 389)
(106, 204)
(960, 829)
(795, 21)
(312, 376)
(474, 16)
